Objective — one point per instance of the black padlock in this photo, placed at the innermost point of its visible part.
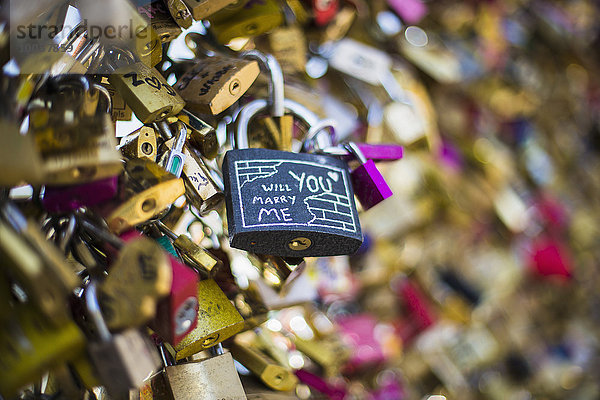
(288, 204)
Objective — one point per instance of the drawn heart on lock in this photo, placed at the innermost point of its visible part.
(154, 82)
(333, 175)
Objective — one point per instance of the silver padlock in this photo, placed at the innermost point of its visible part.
(123, 361)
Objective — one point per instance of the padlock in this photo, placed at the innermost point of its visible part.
(120, 110)
(201, 135)
(270, 373)
(140, 144)
(378, 152)
(211, 378)
(174, 158)
(63, 199)
(278, 125)
(158, 16)
(137, 280)
(217, 320)
(201, 9)
(177, 314)
(134, 32)
(324, 11)
(336, 391)
(215, 83)
(369, 185)
(201, 190)
(124, 360)
(288, 44)
(36, 264)
(180, 12)
(30, 346)
(357, 331)
(191, 253)
(158, 189)
(99, 159)
(304, 208)
(247, 19)
(275, 270)
(145, 90)
(329, 352)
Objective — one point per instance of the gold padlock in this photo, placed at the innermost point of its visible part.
(140, 144)
(159, 17)
(250, 19)
(120, 110)
(217, 320)
(99, 159)
(26, 352)
(201, 190)
(148, 94)
(157, 190)
(215, 83)
(271, 374)
(139, 277)
(204, 8)
(38, 267)
(201, 135)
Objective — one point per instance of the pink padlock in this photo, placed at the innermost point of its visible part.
(549, 257)
(177, 314)
(63, 199)
(419, 315)
(358, 331)
(320, 385)
(369, 185)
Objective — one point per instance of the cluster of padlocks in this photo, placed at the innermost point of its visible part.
(283, 199)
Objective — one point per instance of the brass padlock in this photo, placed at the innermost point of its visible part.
(270, 373)
(136, 281)
(157, 190)
(217, 320)
(140, 144)
(201, 135)
(191, 253)
(30, 346)
(246, 20)
(201, 9)
(215, 83)
(159, 17)
(36, 265)
(120, 110)
(180, 12)
(124, 360)
(99, 159)
(146, 91)
(201, 190)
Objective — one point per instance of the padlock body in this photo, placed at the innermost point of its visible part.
(124, 362)
(289, 204)
(371, 188)
(177, 315)
(147, 93)
(59, 199)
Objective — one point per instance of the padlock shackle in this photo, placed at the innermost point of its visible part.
(315, 130)
(356, 152)
(270, 64)
(94, 312)
(253, 108)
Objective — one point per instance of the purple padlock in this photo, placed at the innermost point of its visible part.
(320, 385)
(62, 199)
(358, 331)
(369, 186)
(380, 151)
